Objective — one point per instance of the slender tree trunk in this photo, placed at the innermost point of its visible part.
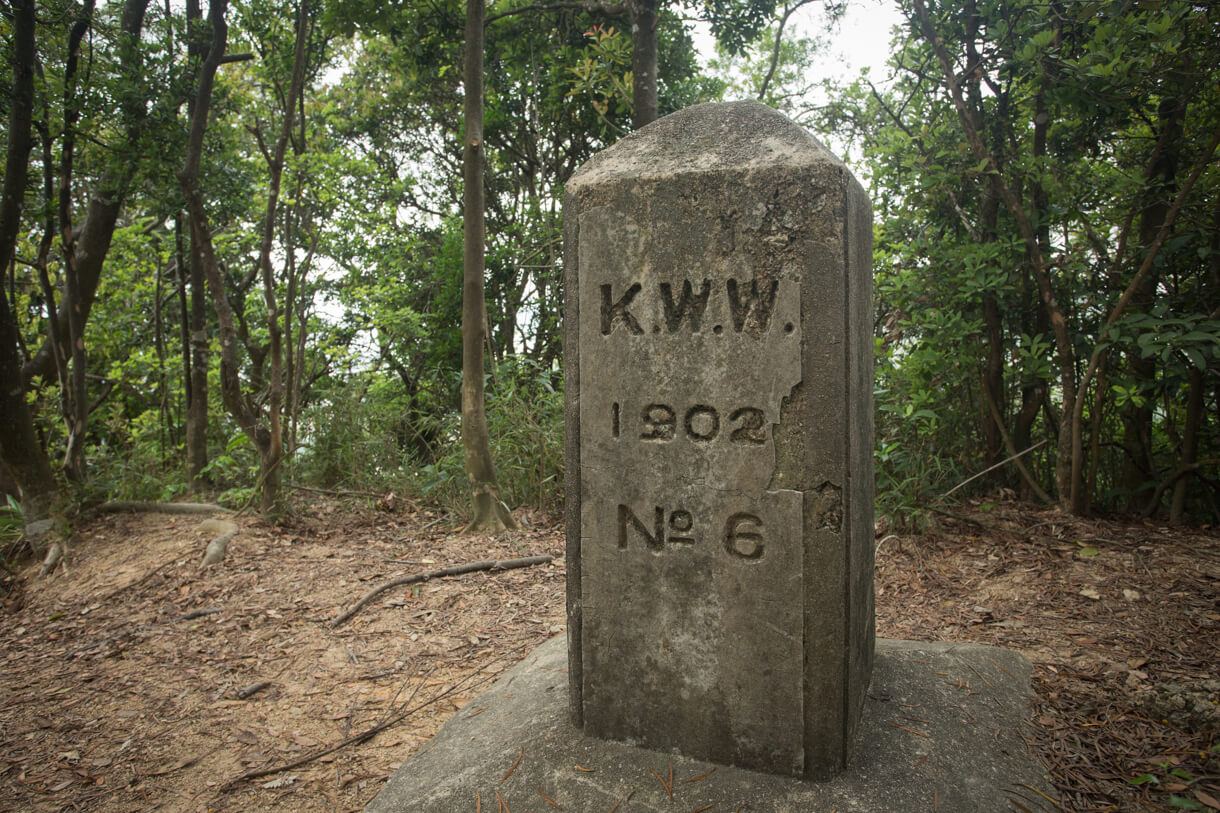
(201, 236)
(77, 415)
(290, 312)
(1100, 394)
(163, 417)
(993, 393)
(197, 408)
(1190, 444)
(271, 458)
(20, 451)
(102, 212)
(1064, 351)
(490, 513)
(197, 391)
(1138, 465)
(643, 61)
(267, 439)
(194, 359)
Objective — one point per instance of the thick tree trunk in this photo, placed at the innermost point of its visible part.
(643, 61)
(201, 236)
(490, 513)
(20, 451)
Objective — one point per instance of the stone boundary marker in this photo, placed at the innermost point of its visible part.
(718, 362)
(941, 731)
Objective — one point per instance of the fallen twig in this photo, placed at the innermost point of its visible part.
(252, 689)
(549, 800)
(127, 588)
(453, 570)
(195, 614)
(130, 633)
(477, 679)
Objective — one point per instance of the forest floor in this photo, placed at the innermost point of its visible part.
(125, 675)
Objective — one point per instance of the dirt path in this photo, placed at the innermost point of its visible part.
(124, 677)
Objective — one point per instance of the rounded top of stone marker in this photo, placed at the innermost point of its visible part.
(711, 137)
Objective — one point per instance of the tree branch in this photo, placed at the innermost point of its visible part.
(591, 6)
(779, 38)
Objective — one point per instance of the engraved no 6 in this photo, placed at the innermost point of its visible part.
(742, 536)
(661, 423)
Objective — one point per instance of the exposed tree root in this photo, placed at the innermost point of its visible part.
(453, 570)
(224, 531)
(55, 554)
(118, 506)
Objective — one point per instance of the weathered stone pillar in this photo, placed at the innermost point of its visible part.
(719, 472)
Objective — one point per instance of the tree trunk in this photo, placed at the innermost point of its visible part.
(1064, 351)
(20, 451)
(1190, 444)
(102, 212)
(1138, 465)
(643, 62)
(993, 393)
(201, 237)
(76, 415)
(195, 361)
(271, 457)
(267, 439)
(490, 513)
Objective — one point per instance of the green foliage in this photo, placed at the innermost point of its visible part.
(605, 73)
(1093, 116)
(525, 424)
(1092, 121)
(12, 529)
(356, 437)
(1168, 771)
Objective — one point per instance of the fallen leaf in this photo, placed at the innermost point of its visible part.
(1207, 799)
(1089, 592)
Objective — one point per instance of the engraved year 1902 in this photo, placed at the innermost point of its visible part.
(701, 423)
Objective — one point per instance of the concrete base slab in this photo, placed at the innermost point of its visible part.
(941, 731)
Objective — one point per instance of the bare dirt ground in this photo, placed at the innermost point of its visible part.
(131, 681)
